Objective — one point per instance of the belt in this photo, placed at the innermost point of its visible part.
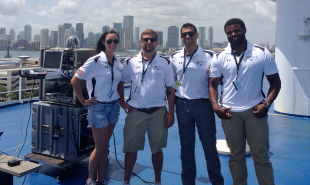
(110, 102)
(148, 110)
(201, 99)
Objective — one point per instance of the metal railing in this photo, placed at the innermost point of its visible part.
(20, 89)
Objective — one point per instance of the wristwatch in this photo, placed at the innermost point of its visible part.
(267, 105)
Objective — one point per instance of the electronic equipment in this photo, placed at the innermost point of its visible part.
(57, 89)
(60, 131)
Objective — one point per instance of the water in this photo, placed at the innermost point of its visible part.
(15, 54)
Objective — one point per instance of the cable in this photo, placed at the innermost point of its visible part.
(21, 129)
(4, 153)
(147, 182)
(24, 180)
(26, 130)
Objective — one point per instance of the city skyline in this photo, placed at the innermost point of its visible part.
(40, 14)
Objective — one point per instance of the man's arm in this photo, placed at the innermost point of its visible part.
(213, 96)
(122, 102)
(169, 120)
(261, 110)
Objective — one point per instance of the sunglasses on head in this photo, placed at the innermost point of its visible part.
(147, 39)
(190, 33)
(110, 41)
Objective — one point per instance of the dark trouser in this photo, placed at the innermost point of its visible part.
(200, 112)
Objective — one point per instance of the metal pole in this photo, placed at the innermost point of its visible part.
(20, 85)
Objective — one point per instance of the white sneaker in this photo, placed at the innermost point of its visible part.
(90, 182)
(157, 183)
(126, 183)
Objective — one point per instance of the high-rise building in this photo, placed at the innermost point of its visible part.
(53, 38)
(136, 38)
(118, 27)
(67, 25)
(27, 32)
(2, 30)
(160, 38)
(105, 28)
(12, 34)
(127, 38)
(128, 28)
(173, 37)
(36, 38)
(210, 38)
(201, 36)
(97, 37)
(80, 29)
(44, 37)
(90, 40)
(60, 36)
(20, 35)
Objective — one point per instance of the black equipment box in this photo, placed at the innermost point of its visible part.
(60, 131)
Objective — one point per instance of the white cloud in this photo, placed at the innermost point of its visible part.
(259, 15)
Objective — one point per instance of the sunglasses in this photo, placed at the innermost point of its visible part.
(147, 39)
(110, 41)
(191, 33)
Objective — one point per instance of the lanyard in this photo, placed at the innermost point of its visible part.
(240, 59)
(185, 67)
(144, 71)
(112, 71)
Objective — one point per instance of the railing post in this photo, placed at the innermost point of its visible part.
(20, 85)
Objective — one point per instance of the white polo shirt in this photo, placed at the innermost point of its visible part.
(256, 62)
(194, 82)
(152, 92)
(98, 77)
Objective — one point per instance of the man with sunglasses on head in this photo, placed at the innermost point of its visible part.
(241, 67)
(151, 78)
(193, 107)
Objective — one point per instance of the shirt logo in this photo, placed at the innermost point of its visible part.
(138, 67)
(247, 57)
(155, 67)
(197, 62)
(80, 72)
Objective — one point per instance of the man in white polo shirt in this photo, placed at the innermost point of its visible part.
(151, 78)
(193, 107)
(242, 108)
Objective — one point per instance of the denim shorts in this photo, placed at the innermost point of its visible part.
(102, 114)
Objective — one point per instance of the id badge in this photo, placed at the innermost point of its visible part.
(110, 93)
(176, 85)
(237, 84)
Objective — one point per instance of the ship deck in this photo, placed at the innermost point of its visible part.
(289, 151)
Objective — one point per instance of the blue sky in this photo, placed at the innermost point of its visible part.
(258, 15)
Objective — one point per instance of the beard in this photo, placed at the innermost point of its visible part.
(239, 40)
(148, 48)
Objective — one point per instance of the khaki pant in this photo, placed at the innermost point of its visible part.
(245, 126)
(136, 125)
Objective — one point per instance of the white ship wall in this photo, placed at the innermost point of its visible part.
(293, 57)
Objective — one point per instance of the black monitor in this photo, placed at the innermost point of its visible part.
(53, 59)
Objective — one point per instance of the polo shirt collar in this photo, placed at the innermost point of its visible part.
(103, 57)
(198, 52)
(250, 46)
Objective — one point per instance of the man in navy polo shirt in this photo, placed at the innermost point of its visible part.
(193, 107)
